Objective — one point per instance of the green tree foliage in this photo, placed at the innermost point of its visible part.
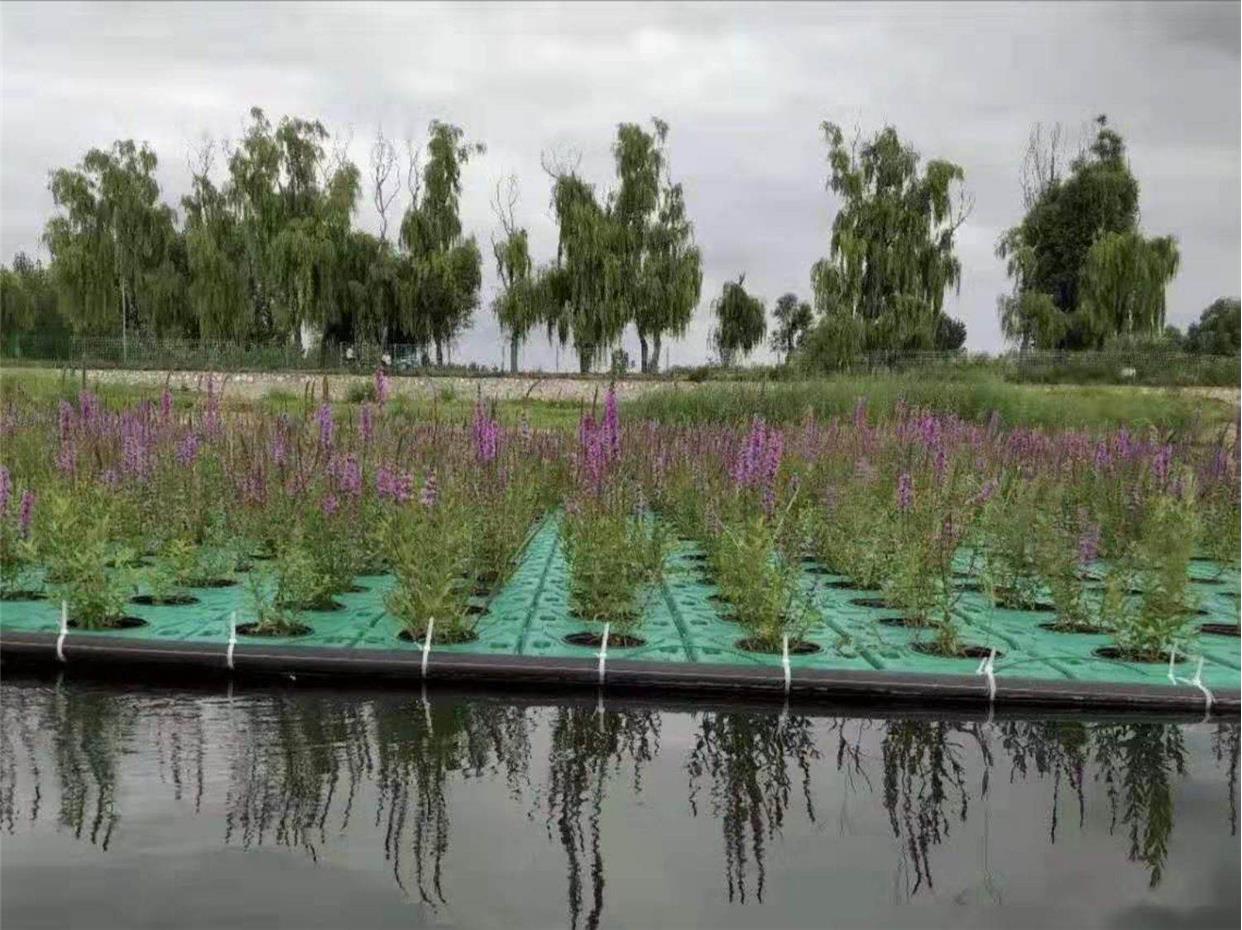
(891, 255)
(583, 288)
(1123, 284)
(117, 260)
(28, 300)
(1078, 235)
(1218, 330)
(444, 269)
(793, 320)
(950, 333)
(740, 322)
(516, 305)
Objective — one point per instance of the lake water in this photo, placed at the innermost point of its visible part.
(265, 807)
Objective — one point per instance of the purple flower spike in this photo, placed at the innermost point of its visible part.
(382, 388)
(26, 514)
(905, 493)
(431, 492)
(323, 417)
(6, 489)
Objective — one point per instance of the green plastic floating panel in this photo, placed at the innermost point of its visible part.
(684, 622)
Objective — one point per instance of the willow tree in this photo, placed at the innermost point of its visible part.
(891, 253)
(583, 291)
(516, 306)
(113, 245)
(740, 322)
(793, 318)
(218, 290)
(444, 271)
(1047, 252)
(1123, 285)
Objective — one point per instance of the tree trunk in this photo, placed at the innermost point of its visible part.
(584, 359)
(655, 354)
(513, 353)
(642, 345)
(439, 354)
(124, 331)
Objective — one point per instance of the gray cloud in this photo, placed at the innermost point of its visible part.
(743, 87)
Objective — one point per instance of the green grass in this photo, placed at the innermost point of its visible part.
(972, 398)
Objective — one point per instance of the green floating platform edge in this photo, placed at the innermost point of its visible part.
(690, 645)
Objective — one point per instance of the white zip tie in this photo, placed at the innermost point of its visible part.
(1196, 682)
(785, 660)
(232, 638)
(603, 653)
(431, 625)
(64, 630)
(986, 667)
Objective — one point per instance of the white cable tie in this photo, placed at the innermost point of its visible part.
(987, 668)
(1172, 659)
(64, 630)
(1196, 682)
(603, 653)
(785, 660)
(232, 638)
(431, 625)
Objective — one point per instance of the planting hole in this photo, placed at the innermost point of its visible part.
(254, 629)
(1117, 654)
(175, 600)
(440, 637)
(755, 644)
(963, 652)
(23, 596)
(1220, 629)
(595, 640)
(120, 623)
(875, 602)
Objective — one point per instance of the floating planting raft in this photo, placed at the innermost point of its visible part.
(689, 644)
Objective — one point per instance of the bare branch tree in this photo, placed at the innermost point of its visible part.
(504, 203)
(413, 178)
(383, 161)
(1041, 163)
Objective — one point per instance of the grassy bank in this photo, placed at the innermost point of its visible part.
(976, 398)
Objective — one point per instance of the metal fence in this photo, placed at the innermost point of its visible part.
(148, 353)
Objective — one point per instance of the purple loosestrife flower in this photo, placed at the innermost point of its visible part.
(612, 425)
(26, 513)
(860, 413)
(110, 478)
(986, 493)
(67, 459)
(1160, 464)
(431, 491)
(382, 388)
(88, 407)
(486, 436)
(65, 421)
(349, 476)
(187, 450)
(774, 448)
(166, 405)
(211, 415)
(905, 493)
(323, 417)
(329, 504)
(366, 423)
(6, 489)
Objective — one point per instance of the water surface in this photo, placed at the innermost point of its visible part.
(145, 807)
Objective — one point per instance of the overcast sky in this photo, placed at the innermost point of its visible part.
(744, 89)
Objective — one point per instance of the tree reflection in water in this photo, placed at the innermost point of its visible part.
(420, 746)
(296, 765)
(588, 748)
(746, 756)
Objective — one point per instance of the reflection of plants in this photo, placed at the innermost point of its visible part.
(1225, 747)
(89, 729)
(587, 748)
(1057, 748)
(924, 770)
(1137, 763)
(417, 751)
(746, 756)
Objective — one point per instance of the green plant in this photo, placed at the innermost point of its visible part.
(614, 557)
(1162, 556)
(760, 583)
(429, 547)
